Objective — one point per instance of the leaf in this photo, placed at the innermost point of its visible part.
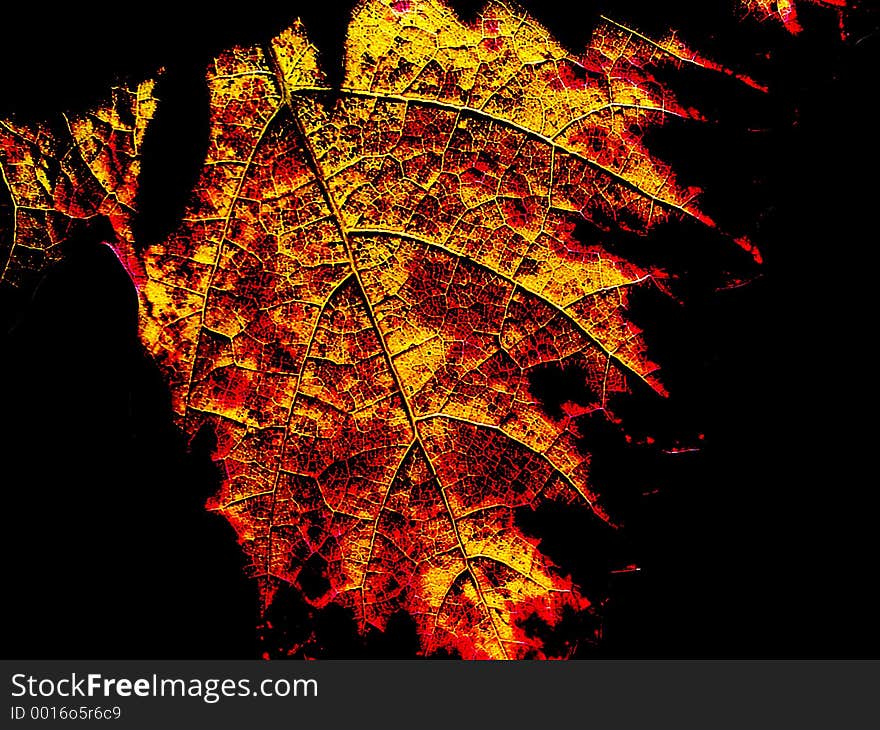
(366, 278)
(785, 11)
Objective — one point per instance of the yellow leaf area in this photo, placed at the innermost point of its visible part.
(366, 278)
(785, 11)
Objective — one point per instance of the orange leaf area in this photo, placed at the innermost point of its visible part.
(363, 282)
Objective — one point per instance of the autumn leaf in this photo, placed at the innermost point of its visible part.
(785, 11)
(364, 281)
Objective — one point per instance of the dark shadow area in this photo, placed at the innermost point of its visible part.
(293, 628)
(110, 552)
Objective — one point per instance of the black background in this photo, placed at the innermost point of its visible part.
(760, 544)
